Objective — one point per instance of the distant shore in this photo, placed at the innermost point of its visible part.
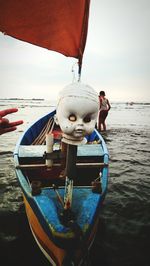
(22, 99)
(42, 99)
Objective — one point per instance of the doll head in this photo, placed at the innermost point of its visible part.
(76, 112)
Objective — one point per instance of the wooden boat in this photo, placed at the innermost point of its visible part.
(63, 213)
(61, 239)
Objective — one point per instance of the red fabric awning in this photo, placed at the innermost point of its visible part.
(58, 25)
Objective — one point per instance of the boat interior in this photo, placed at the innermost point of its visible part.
(89, 162)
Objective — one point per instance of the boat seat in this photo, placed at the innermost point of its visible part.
(83, 151)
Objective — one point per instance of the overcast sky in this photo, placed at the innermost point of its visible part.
(116, 57)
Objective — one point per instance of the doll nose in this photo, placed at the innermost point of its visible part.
(80, 123)
(80, 126)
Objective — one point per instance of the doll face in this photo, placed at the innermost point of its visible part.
(77, 111)
(77, 116)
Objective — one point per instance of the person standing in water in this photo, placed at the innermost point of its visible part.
(103, 112)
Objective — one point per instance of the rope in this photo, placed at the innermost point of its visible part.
(40, 140)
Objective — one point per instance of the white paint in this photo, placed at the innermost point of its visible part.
(49, 147)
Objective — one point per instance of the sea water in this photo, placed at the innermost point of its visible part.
(123, 237)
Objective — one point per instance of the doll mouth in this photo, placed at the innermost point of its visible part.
(79, 132)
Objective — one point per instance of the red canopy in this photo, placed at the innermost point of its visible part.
(58, 25)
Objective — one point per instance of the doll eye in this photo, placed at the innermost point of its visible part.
(87, 119)
(72, 118)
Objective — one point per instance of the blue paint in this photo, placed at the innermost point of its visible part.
(84, 205)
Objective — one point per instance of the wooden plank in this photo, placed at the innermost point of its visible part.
(30, 166)
(90, 150)
(91, 165)
(79, 165)
(37, 151)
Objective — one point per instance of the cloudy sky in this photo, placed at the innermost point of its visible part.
(116, 57)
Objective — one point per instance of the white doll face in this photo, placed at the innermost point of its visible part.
(77, 110)
(77, 119)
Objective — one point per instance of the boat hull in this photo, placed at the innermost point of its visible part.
(51, 251)
(62, 243)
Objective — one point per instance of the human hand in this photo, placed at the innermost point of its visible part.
(5, 124)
